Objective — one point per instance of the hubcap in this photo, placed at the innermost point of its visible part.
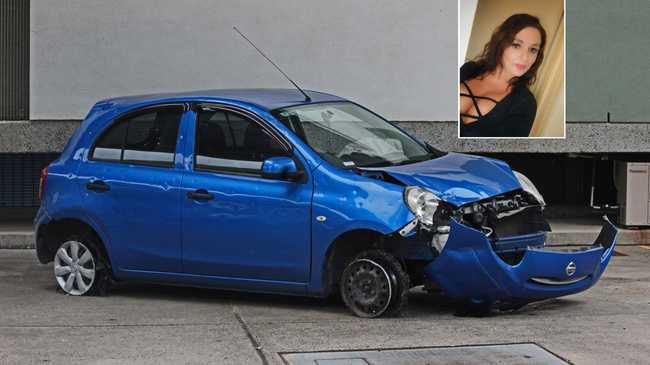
(367, 288)
(74, 268)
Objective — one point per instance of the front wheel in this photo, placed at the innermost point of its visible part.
(374, 284)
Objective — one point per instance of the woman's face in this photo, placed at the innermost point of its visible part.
(519, 56)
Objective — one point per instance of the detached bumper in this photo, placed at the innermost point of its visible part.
(468, 268)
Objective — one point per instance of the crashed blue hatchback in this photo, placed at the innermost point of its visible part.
(308, 194)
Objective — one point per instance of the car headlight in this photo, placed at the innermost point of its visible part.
(529, 187)
(422, 203)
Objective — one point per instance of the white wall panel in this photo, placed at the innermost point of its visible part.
(397, 57)
(607, 70)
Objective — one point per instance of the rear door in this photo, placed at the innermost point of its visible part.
(236, 223)
(132, 189)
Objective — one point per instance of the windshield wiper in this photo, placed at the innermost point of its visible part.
(376, 164)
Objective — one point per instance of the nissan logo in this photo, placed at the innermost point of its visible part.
(570, 268)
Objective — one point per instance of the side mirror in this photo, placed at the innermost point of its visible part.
(280, 168)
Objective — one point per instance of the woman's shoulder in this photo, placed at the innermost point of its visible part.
(469, 70)
(524, 98)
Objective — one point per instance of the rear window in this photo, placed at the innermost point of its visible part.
(109, 145)
(148, 137)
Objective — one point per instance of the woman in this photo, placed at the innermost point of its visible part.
(494, 96)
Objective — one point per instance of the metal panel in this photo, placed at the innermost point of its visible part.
(19, 177)
(14, 60)
(503, 354)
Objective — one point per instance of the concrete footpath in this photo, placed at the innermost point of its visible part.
(152, 324)
(571, 231)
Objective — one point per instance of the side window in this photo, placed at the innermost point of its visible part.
(109, 145)
(148, 137)
(229, 141)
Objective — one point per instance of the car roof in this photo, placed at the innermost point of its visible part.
(267, 99)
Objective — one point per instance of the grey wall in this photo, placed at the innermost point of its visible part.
(397, 57)
(14, 59)
(608, 54)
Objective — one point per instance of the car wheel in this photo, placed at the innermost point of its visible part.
(374, 284)
(79, 267)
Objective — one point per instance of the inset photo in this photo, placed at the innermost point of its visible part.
(511, 69)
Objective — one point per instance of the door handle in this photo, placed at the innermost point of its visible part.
(98, 186)
(200, 194)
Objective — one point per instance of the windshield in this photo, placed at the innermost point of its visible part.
(347, 135)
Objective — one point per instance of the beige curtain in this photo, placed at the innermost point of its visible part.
(549, 89)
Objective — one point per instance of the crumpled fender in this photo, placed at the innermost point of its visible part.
(345, 201)
(468, 268)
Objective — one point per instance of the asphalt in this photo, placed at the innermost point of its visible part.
(153, 324)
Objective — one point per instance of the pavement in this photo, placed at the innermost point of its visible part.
(565, 231)
(153, 324)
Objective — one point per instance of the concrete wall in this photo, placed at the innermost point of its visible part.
(467, 10)
(608, 48)
(398, 58)
(582, 137)
(394, 57)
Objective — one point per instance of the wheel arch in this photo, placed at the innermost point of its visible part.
(49, 235)
(344, 248)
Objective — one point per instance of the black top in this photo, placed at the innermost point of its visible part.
(513, 116)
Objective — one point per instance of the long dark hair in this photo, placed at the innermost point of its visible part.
(503, 37)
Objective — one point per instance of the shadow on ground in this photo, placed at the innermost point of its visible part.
(421, 303)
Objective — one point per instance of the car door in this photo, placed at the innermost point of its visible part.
(236, 223)
(131, 188)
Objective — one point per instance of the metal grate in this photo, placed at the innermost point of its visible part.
(14, 59)
(502, 354)
(19, 177)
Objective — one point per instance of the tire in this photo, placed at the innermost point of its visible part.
(80, 267)
(374, 284)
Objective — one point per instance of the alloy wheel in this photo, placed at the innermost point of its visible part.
(74, 268)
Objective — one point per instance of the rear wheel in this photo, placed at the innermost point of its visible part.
(79, 267)
(374, 284)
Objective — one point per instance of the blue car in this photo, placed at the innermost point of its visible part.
(271, 191)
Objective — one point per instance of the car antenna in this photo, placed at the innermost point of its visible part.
(307, 98)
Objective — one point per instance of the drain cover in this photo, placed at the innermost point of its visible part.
(522, 353)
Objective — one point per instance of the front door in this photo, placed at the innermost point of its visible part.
(237, 224)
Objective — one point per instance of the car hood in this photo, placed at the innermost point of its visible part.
(458, 178)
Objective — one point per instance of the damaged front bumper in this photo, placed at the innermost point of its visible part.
(468, 268)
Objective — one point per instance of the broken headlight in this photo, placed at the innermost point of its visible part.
(529, 187)
(440, 238)
(422, 203)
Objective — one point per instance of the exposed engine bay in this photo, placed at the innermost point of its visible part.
(511, 214)
(515, 213)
